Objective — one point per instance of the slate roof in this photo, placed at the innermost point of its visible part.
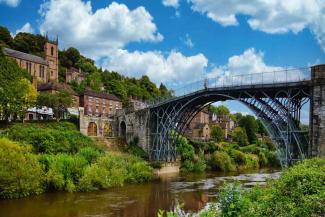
(24, 56)
(102, 95)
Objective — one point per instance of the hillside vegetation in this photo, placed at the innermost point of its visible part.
(39, 157)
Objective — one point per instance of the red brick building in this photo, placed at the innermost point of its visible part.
(99, 104)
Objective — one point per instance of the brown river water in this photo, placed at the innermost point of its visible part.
(195, 191)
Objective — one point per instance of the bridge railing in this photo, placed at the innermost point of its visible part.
(233, 81)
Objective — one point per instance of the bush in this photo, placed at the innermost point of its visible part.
(63, 171)
(137, 151)
(20, 173)
(299, 192)
(90, 154)
(50, 138)
(222, 161)
(114, 170)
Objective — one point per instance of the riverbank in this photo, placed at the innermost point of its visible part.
(47, 157)
(51, 156)
(195, 191)
(299, 192)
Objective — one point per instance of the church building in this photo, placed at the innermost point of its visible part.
(42, 70)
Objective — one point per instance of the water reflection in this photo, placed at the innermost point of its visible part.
(194, 191)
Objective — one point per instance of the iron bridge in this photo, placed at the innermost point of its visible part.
(276, 99)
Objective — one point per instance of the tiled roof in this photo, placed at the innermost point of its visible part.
(56, 86)
(24, 56)
(101, 95)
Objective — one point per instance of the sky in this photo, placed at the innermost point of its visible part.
(180, 41)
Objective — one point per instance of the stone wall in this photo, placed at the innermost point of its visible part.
(137, 126)
(317, 112)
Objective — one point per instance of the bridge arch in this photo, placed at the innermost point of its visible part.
(122, 130)
(278, 110)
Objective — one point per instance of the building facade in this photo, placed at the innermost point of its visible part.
(224, 121)
(199, 128)
(99, 104)
(41, 69)
(74, 75)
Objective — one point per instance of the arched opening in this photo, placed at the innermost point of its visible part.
(108, 130)
(92, 129)
(272, 107)
(123, 130)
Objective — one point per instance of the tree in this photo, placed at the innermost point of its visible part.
(5, 36)
(58, 101)
(164, 91)
(220, 110)
(94, 81)
(260, 128)
(250, 125)
(239, 136)
(16, 92)
(217, 133)
(73, 55)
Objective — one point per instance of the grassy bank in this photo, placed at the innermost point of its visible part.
(223, 156)
(35, 158)
(299, 192)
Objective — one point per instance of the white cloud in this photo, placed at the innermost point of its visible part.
(11, 3)
(271, 16)
(171, 3)
(96, 32)
(25, 28)
(173, 68)
(188, 41)
(249, 62)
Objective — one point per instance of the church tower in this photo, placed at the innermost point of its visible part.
(51, 51)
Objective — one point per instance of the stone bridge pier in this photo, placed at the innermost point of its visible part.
(134, 127)
(317, 112)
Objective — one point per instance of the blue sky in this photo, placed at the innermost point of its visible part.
(179, 41)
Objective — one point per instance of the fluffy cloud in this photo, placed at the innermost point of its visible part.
(171, 3)
(11, 3)
(25, 28)
(96, 32)
(271, 16)
(174, 67)
(249, 62)
(188, 41)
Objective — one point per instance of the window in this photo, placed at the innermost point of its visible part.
(52, 51)
(51, 73)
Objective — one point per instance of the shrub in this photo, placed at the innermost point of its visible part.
(63, 171)
(299, 192)
(222, 161)
(50, 138)
(114, 170)
(20, 173)
(90, 154)
(137, 151)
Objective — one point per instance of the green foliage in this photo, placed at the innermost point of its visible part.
(222, 161)
(114, 170)
(137, 151)
(63, 171)
(90, 154)
(239, 136)
(217, 133)
(29, 43)
(299, 192)
(50, 137)
(220, 110)
(250, 125)
(5, 36)
(20, 173)
(16, 93)
(57, 101)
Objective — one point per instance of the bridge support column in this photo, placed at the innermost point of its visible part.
(317, 112)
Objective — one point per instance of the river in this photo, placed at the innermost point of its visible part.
(140, 200)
